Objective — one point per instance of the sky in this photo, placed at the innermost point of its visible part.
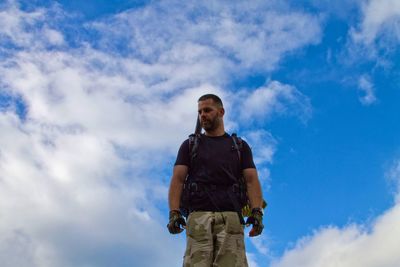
(97, 96)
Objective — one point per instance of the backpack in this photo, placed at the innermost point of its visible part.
(238, 192)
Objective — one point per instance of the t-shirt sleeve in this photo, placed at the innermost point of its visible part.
(247, 157)
(183, 157)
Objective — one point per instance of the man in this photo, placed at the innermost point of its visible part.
(215, 233)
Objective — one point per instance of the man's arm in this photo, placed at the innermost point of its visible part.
(256, 200)
(175, 189)
(253, 187)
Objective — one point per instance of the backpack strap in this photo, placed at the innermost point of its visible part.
(237, 145)
(194, 140)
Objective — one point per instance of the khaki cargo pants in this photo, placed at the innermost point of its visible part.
(214, 239)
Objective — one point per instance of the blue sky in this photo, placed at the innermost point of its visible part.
(97, 96)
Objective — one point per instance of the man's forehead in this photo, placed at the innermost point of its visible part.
(207, 103)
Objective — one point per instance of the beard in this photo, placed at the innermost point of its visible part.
(210, 125)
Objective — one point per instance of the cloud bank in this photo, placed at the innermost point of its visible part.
(373, 244)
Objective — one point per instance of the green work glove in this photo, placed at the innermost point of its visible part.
(255, 219)
(176, 221)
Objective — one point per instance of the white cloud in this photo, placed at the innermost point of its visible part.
(373, 41)
(373, 244)
(61, 200)
(274, 98)
(367, 88)
(265, 144)
(352, 246)
(80, 174)
(261, 244)
(233, 37)
(377, 35)
(53, 37)
(251, 260)
(18, 27)
(378, 17)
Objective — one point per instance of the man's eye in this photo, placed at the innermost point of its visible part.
(206, 110)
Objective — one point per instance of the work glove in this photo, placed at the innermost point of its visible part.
(176, 222)
(255, 219)
(246, 210)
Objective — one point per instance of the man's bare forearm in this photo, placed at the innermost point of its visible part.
(174, 194)
(254, 191)
(255, 194)
(175, 188)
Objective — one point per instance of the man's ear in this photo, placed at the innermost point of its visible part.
(222, 112)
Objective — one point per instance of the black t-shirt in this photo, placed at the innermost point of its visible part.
(216, 163)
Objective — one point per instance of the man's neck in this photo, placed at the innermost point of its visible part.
(216, 132)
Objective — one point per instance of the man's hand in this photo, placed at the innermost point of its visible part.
(176, 221)
(255, 219)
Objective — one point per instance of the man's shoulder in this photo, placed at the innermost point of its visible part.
(243, 144)
(185, 142)
(239, 138)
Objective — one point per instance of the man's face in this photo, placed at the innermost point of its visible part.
(210, 114)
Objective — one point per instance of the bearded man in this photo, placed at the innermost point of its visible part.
(211, 177)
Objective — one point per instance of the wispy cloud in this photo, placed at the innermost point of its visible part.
(251, 260)
(372, 43)
(274, 98)
(234, 37)
(368, 91)
(377, 34)
(393, 176)
(379, 19)
(261, 244)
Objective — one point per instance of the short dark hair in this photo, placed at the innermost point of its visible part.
(215, 98)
